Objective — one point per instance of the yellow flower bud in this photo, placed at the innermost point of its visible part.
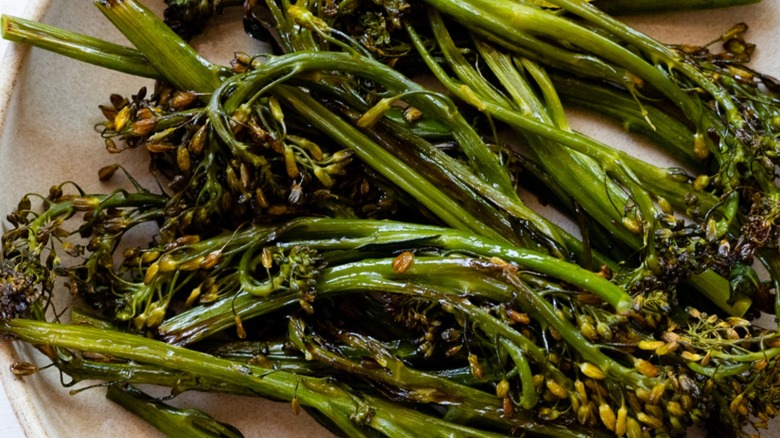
(607, 416)
(620, 422)
(650, 345)
(556, 389)
(592, 371)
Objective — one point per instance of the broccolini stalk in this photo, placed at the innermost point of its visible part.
(335, 235)
(645, 381)
(649, 121)
(177, 61)
(84, 48)
(350, 412)
(735, 124)
(484, 162)
(594, 203)
(167, 419)
(504, 16)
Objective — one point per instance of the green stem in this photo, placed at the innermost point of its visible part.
(333, 235)
(660, 54)
(330, 234)
(409, 180)
(456, 172)
(507, 19)
(663, 128)
(167, 419)
(331, 399)
(167, 52)
(528, 397)
(452, 276)
(81, 47)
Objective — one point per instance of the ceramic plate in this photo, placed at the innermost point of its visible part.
(47, 114)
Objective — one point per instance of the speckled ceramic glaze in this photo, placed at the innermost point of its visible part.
(48, 107)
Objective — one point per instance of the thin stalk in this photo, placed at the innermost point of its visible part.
(201, 322)
(453, 277)
(612, 161)
(331, 399)
(85, 370)
(528, 396)
(461, 174)
(329, 235)
(167, 52)
(81, 47)
(660, 54)
(663, 128)
(406, 178)
(507, 19)
(167, 419)
(557, 57)
(417, 386)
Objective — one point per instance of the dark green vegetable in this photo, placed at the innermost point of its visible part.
(333, 234)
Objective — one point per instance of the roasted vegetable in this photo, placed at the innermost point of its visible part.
(331, 233)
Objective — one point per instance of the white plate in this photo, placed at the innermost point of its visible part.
(48, 106)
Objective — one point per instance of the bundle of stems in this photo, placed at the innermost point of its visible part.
(336, 235)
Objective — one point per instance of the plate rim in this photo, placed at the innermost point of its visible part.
(18, 396)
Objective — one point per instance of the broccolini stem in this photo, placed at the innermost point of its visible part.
(662, 128)
(528, 397)
(440, 278)
(167, 419)
(81, 47)
(329, 234)
(344, 234)
(331, 399)
(659, 53)
(508, 18)
(406, 178)
(167, 52)
(434, 105)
